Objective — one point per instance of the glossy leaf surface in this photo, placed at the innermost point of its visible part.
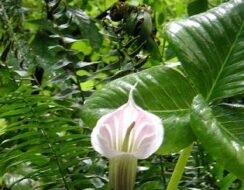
(211, 48)
(160, 90)
(220, 142)
(231, 117)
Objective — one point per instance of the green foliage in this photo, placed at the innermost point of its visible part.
(161, 90)
(216, 69)
(216, 64)
(55, 54)
(222, 144)
(212, 59)
(197, 6)
(40, 141)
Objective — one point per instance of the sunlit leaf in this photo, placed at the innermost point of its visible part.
(211, 48)
(217, 139)
(160, 90)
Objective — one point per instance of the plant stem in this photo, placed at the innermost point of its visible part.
(122, 172)
(179, 168)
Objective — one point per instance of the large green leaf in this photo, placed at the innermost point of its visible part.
(160, 90)
(217, 139)
(231, 116)
(211, 48)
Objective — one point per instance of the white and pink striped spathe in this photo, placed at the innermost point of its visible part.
(144, 132)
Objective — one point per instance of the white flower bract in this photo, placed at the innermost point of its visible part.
(128, 130)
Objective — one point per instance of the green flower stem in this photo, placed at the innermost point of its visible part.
(122, 172)
(179, 168)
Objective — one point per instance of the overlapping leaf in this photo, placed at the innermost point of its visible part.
(37, 144)
(231, 117)
(218, 141)
(211, 48)
(161, 90)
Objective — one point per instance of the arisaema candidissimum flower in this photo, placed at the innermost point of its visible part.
(123, 136)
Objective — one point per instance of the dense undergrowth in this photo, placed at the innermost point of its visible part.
(55, 54)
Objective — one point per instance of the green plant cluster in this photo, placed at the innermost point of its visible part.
(63, 65)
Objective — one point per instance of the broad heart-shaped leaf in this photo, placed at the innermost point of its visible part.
(211, 48)
(218, 140)
(160, 90)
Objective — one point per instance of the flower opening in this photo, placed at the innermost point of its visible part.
(125, 135)
(128, 130)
